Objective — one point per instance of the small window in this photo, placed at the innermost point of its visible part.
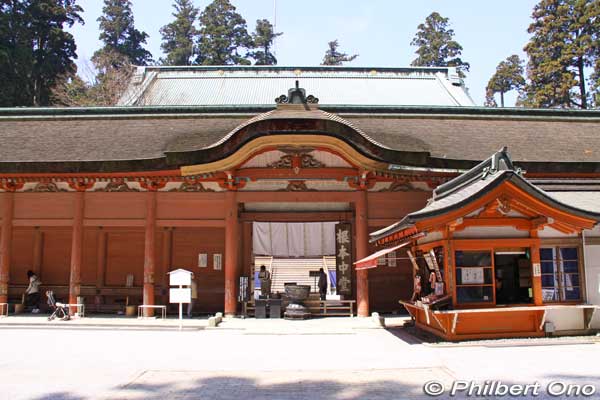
(561, 280)
(474, 277)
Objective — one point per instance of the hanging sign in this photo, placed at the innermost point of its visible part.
(343, 258)
(537, 269)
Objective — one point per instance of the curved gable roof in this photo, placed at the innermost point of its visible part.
(473, 185)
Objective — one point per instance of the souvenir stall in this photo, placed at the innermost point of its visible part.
(493, 256)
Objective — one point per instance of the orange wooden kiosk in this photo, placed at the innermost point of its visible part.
(480, 261)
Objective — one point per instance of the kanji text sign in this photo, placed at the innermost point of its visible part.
(343, 258)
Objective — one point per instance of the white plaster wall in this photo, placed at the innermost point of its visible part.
(490, 232)
(592, 280)
(431, 237)
(548, 232)
(593, 232)
(566, 320)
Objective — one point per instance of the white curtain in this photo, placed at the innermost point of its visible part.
(314, 238)
(261, 236)
(278, 239)
(294, 239)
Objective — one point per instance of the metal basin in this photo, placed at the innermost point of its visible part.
(297, 293)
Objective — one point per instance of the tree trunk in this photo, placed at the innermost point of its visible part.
(582, 83)
(502, 99)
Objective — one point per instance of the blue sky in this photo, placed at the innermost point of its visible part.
(380, 31)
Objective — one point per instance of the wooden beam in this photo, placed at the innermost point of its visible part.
(297, 197)
(296, 216)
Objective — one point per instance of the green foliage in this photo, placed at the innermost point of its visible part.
(179, 36)
(223, 35)
(436, 46)
(564, 46)
(35, 49)
(262, 40)
(334, 57)
(118, 33)
(107, 81)
(508, 76)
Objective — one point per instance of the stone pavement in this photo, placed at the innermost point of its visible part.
(256, 359)
(100, 322)
(264, 326)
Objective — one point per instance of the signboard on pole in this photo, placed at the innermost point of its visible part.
(343, 258)
(180, 277)
(177, 295)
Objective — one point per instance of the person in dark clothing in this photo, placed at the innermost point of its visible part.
(33, 292)
(322, 284)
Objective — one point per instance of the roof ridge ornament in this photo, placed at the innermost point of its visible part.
(297, 95)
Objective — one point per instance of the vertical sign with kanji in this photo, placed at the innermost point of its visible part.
(343, 258)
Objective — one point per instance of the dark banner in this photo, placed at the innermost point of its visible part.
(343, 258)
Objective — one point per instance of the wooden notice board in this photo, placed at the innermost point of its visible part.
(343, 258)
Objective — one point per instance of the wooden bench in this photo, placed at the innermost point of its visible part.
(163, 310)
(331, 308)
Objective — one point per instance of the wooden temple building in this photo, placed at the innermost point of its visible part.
(103, 202)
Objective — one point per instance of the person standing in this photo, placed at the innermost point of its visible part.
(265, 282)
(322, 284)
(194, 296)
(33, 292)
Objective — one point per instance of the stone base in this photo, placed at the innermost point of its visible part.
(296, 311)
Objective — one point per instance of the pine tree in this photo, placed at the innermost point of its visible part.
(436, 46)
(179, 36)
(565, 44)
(262, 39)
(35, 49)
(334, 57)
(223, 35)
(508, 76)
(119, 35)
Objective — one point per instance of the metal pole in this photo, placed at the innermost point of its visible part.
(180, 312)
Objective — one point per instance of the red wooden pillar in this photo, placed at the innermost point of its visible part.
(101, 259)
(150, 251)
(232, 239)
(38, 246)
(76, 248)
(6, 244)
(362, 251)
(167, 247)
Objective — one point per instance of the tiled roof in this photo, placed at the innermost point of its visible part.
(31, 140)
(481, 179)
(252, 85)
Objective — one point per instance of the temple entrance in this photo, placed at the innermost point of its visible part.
(294, 252)
(513, 277)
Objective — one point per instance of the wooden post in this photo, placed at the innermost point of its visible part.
(231, 252)
(6, 244)
(536, 281)
(38, 247)
(101, 259)
(167, 243)
(76, 249)
(362, 251)
(150, 252)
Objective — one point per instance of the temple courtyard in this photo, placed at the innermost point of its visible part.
(335, 358)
